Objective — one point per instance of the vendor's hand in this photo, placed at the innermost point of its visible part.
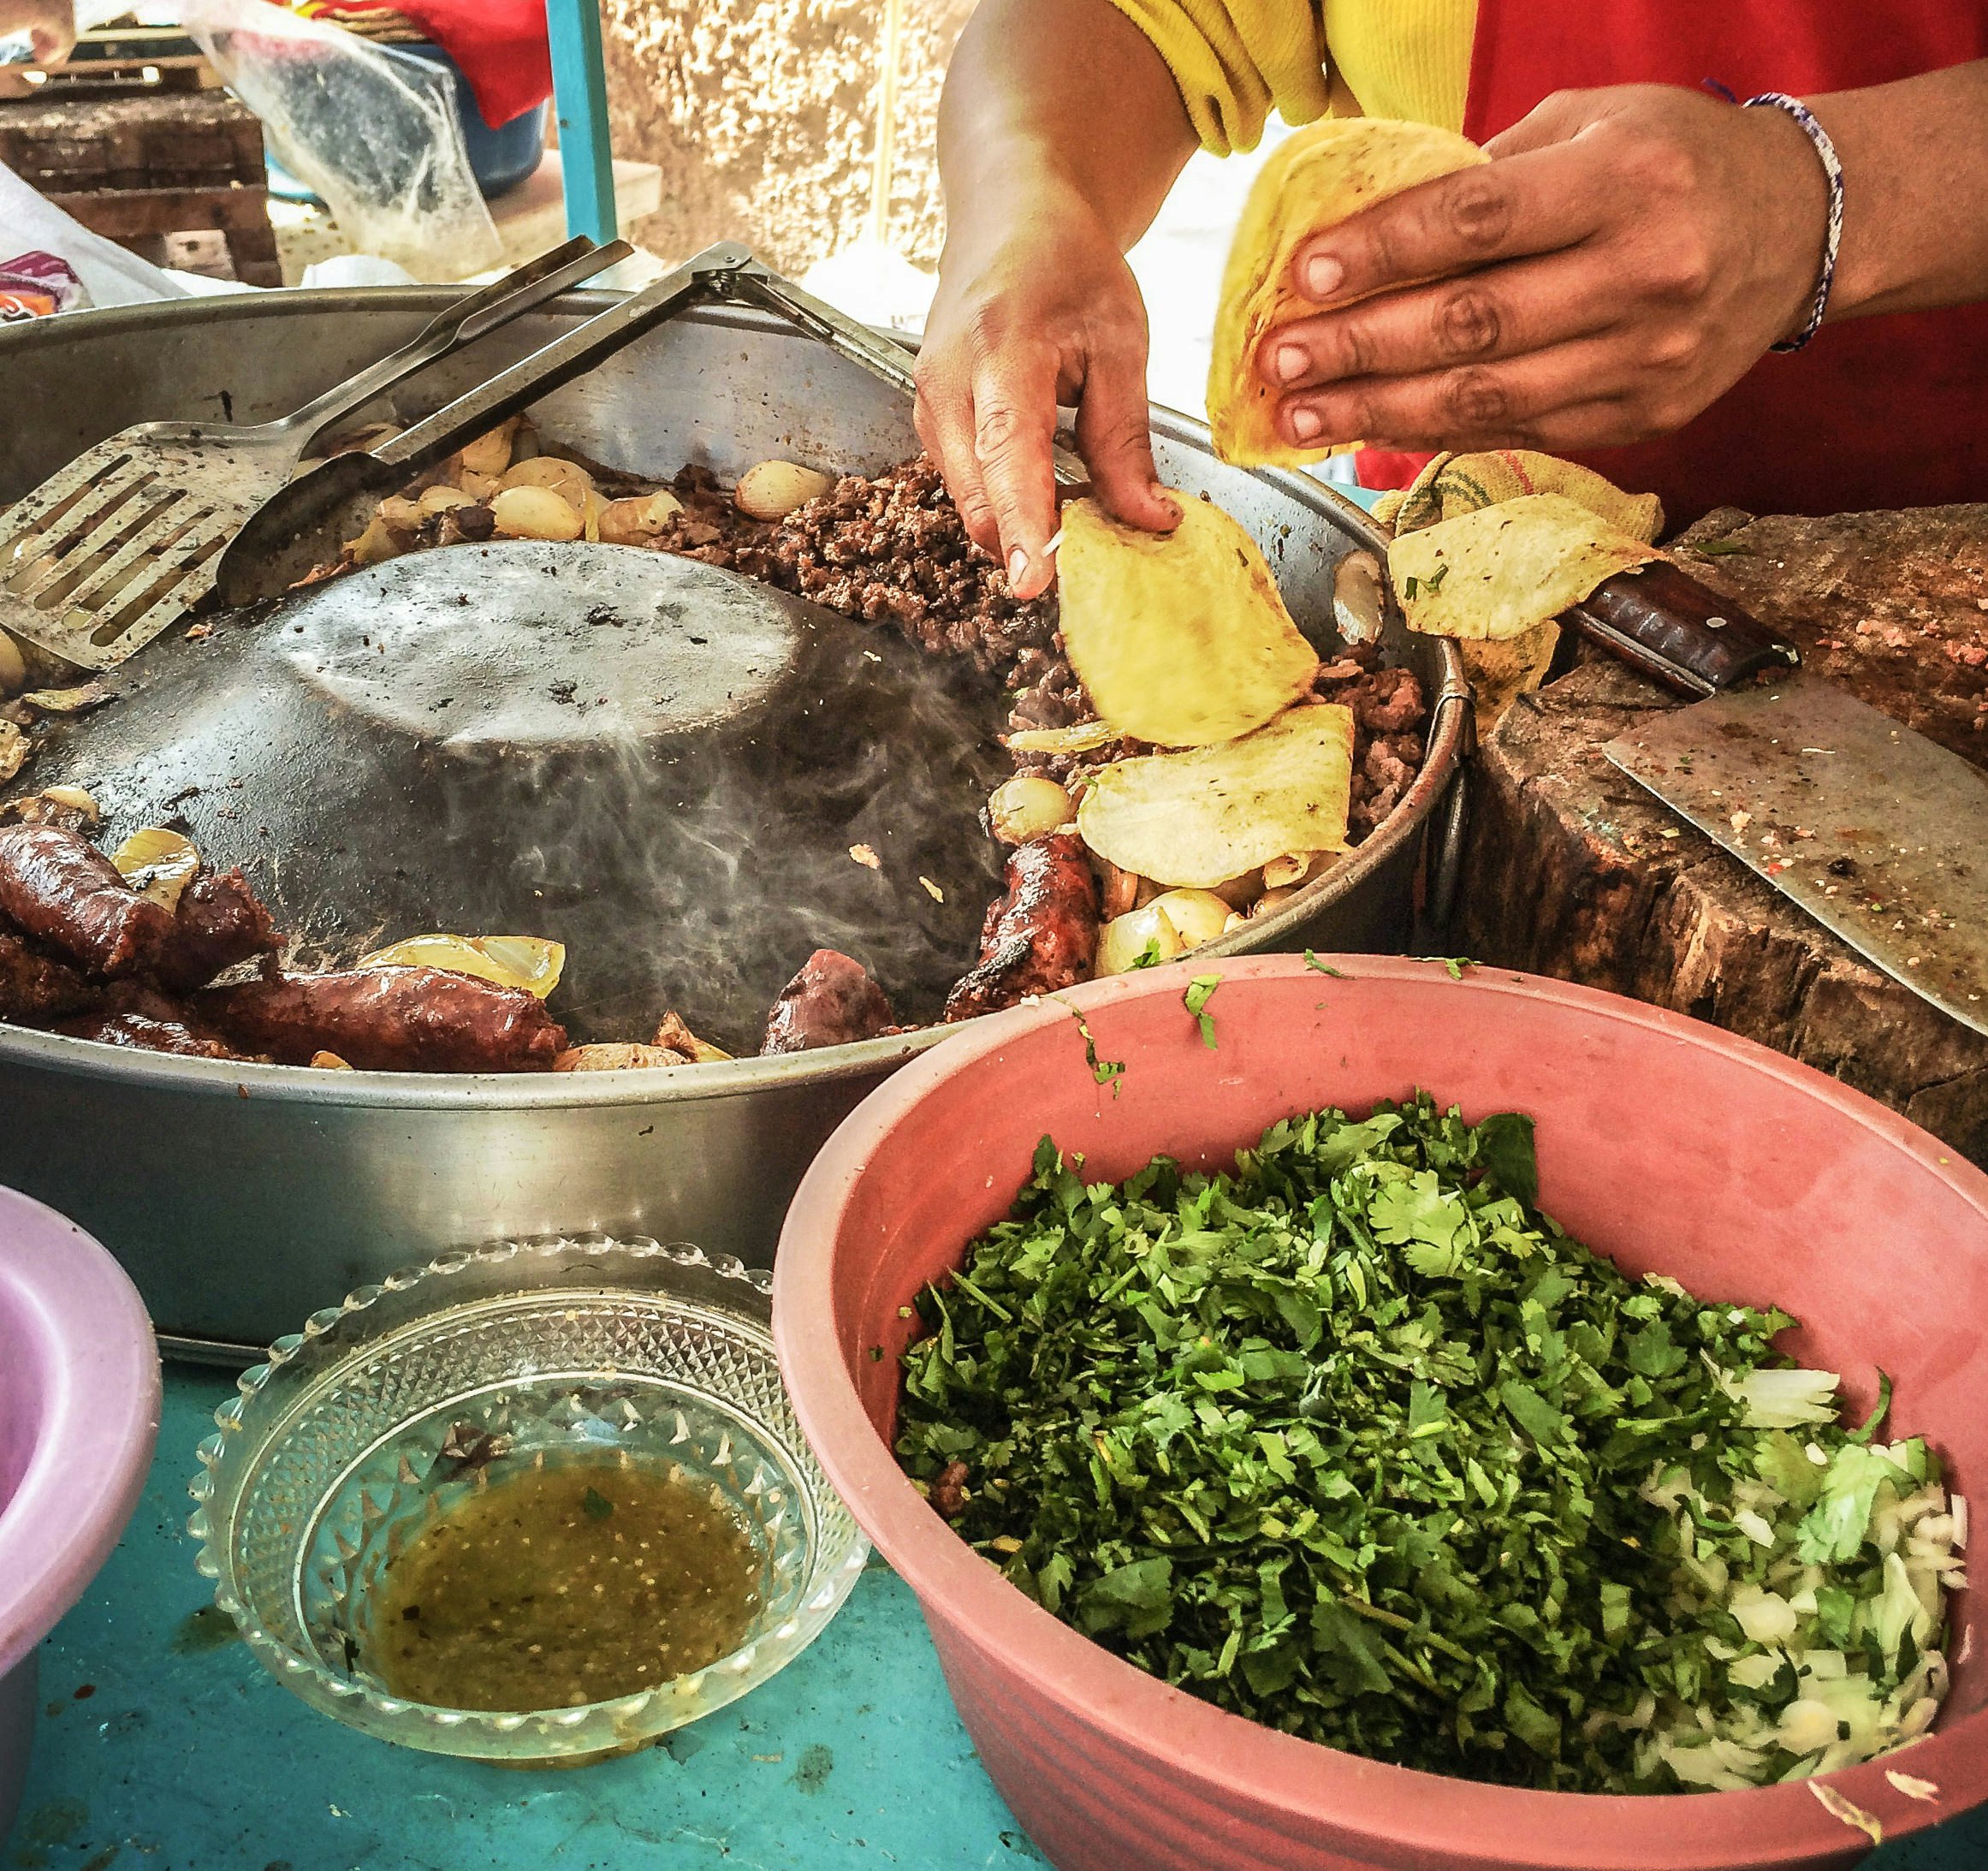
(49, 24)
(1626, 258)
(1048, 313)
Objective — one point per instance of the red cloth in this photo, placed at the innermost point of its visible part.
(1884, 412)
(501, 45)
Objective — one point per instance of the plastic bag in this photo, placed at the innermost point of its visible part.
(36, 285)
(109, 276)
(373, 130)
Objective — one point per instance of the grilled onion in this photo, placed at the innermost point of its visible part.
(567, 479)
(535, 513)
(157, 863)
(510, 961)
(1171, 924)
(490, 453)
(615, 1056)
(772, 490)
(1027, 806)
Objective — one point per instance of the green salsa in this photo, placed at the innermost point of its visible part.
(576, 1581)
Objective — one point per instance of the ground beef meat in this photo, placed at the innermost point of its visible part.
(461, 526)
(948, 1495)
(1388, 701)
(1045, 692)
(890, 549)
(1390, 726)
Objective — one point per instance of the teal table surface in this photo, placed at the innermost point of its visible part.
(164, 1747)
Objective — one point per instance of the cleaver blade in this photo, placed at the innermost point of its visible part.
(1880, 834)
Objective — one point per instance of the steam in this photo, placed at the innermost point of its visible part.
(695, 872)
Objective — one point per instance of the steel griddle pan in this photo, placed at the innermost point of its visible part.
(659, 764)
(241, 1198)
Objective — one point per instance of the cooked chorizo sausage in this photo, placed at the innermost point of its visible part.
(219, 922)
(1041, 936)
(59, 888)
(387, 1019)
(832, 1001)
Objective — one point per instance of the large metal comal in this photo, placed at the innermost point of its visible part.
(242, 1196)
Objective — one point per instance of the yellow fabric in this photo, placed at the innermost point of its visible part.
(1234, 61)
(1452, 485)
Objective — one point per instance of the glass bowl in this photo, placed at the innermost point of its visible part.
(486, 1361)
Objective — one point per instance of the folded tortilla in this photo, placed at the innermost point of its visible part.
(1313, 179)
(1495, 573)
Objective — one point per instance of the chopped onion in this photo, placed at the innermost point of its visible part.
(1782, 1400)
(1766, 1617)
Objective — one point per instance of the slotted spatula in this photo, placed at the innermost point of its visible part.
(110, 551)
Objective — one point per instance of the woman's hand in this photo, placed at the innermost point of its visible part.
(1059, 134)
(1048, 314)
(1626, 257)
(49, 24)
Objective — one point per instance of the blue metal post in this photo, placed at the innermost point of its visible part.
(580, 95)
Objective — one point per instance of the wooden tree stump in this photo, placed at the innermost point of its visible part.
(1574, 871)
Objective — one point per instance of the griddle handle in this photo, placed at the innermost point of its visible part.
(1662, 621)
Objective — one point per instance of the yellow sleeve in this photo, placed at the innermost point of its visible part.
(1232, 60)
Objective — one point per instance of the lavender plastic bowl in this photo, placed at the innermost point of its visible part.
(79, 1415)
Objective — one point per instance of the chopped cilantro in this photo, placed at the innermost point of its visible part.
(1107, 1072)
(1311, 960)
(1147, 957)
(596, 1505)
(1355, 1442)
(1200, 991)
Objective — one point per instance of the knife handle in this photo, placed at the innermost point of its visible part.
(1662, 621)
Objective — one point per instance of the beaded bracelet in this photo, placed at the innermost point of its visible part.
(1832, 171)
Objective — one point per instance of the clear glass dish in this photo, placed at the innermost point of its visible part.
(324, 1466)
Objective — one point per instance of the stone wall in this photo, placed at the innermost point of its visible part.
(761, 113)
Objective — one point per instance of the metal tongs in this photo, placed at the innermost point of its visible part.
(302, 527)
(133, 534)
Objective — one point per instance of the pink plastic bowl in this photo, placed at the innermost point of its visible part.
(79, 1414)
(1666, 1143)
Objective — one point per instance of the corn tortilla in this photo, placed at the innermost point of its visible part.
(1313, 180)
(1180, 638)
(1495, 573)
(1194, 820)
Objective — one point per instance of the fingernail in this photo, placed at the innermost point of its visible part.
(1323, 276)
(1018, 566)
(1161, 497)
(1288, 363)
(1305, 423)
